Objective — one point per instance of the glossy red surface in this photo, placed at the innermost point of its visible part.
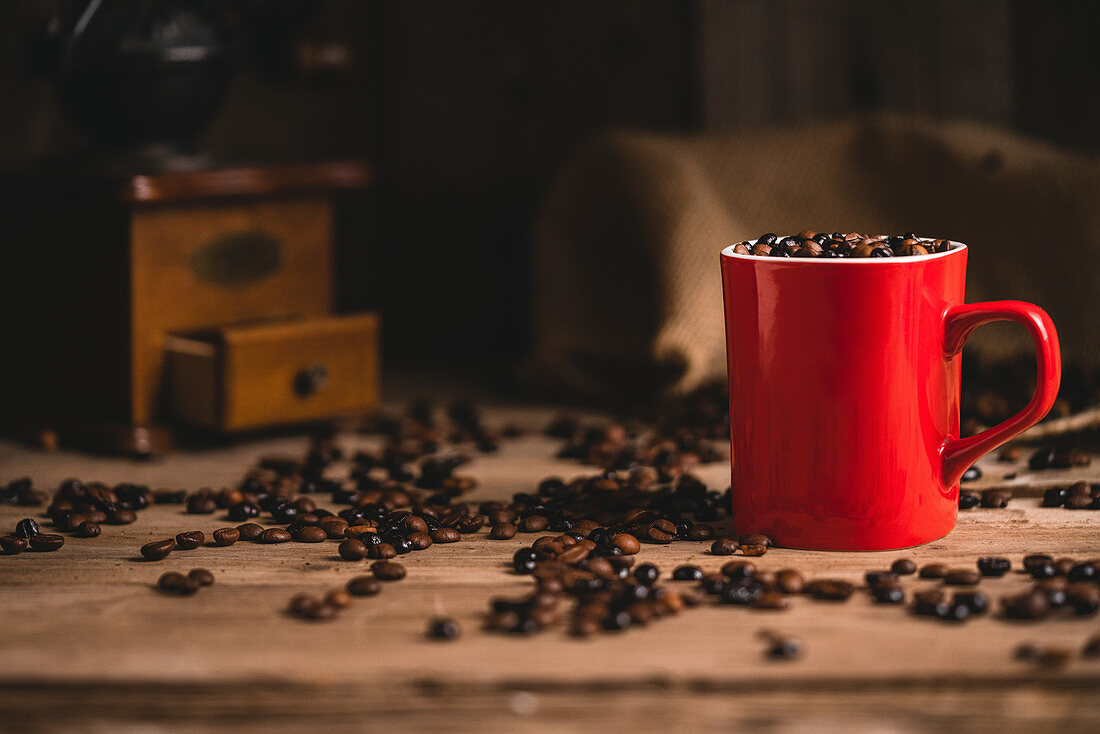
(844, 396)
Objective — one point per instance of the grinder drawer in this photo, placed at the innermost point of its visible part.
(248, 376)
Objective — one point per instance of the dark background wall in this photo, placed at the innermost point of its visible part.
(468, 108)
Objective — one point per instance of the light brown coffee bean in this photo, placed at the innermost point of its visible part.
(789, 581)
(627, 543)
(754, 550)
(534, 524)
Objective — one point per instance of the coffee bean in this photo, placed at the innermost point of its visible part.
(1043, 570)
(337, 598)
(993, 566)
(443, 628)
(785, 649)
(301, 604)
(700, 531)
(646, 574)
(1026, 651)
(446, 535)
(1084, 598)
(1028, 605)
(89, 529)
(971, 474)
(201, 505)
(201, 576)
(724, 547)
(830, 589)
(962, 577)
(995, 498)
(388, 570)
(687, 573)
(317, 611)
(789, 581)
(888, 593)
(627, 543)
(12, 544)
(1091, 648)
(754, 550)
(190, 540)
(158, 549)
(1036, 559)
(1087, 571)
(352, 549)
(1079, 502)
(420, 541)
(975, 601)
(929, 602)
(903, 567)
(226, 536)
(171, 581)
(502, 531)
(1055, 497)
(26, 528)
(364, 586)
(658, 531)
(771, 600)
(953, 612)
(755, 539)
(274, 535)
(311, 534)
(534, 524)
(880, 578)
(1064, 565)
(933, 571)
(969, 500)
(381, 550)
(250, 531)
(738, 570)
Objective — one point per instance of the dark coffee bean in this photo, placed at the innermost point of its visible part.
(201, 505)
(739, 570)
(971, 474)
(171, 581)
(1064, 565)
(190, 540)
(995, 498)
(353, 549)
(311, 534)
(319, 611)
(1026, 651)
(887, 593)
(226, 536)
(830, 589)
(1091, 648)
(364, 586)
(446, 535)
(1055, 497)
(903, 567)
(724, 547)
(929, 602)
(334, 527)
(1079, 502)
(1036, 559)
(953, 612)
(877, 578)
(1054, 657)
(524, 560)
(962, 577)
(1084, 572)
(158, 549)
(975, 601)
(387, 570)
(658, 531)
(381, 550)
(470, 524)
(646, 574)
(118, 516)
(1028, 605)
(933, 571)
(789, 581)
(26, 528)
(502, 531)
(687, 573)
(701, 531)
(89, 529)
(12, 544)
(201, 576)
(443, 628)
(785, 649)
(420, 541)
(250, 531)
(274, 535)
(969, 500)
(627, 543)
(1043, 570)
(993, 566)
(534, 524)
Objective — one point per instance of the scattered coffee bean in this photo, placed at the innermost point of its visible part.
(829, 589)
(503, 531)
(772, 600)
(1055, 497)
(880, 578)
(352, 549)
(962, 577)
(724, 547)
(337, 598)
(89, 529)
(26, 528)
(646, 574)
(534, 524)
(274, 535)
(200, 505)
(364, 586)
(443, 628)
(1091, 648)
(311, 534)
(627, 543)
(158, 549)
(929, 602)
(1087, 571)
(933, 571)
(969, 500)
(785, 649)
(1054, 657)
(250, 531)
(190, 540)
(201, 576)
(687, 573)
(888, 593)
(903, 567)
(13, 544)
(171, 581)
(975, 601)
(992, 566)
(789, 581)
(446, 535)
(388, 570)
(120, 516)
(754, 550)
(226, 536)
(1028, 605)
(995, 498)
(381, 550)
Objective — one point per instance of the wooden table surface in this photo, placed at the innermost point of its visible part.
(89, 645)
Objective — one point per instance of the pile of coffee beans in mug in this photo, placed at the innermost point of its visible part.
(839, 244)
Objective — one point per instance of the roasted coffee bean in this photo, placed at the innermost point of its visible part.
(1042, 570)
(953, 612)
(701, 531)
(364, 586)
(1036, 559)
(1064, 565)
(334, 527)
(724, 547)
(89, 529)
(381, 550)
(995, 498)
(929, 602)
(903, 567)
(789, 581)
(201, 505)
(739, 570)
(888, 593)
(1084, 572)
(627, 543)
(420, 541)
(771, 600)
(12, 544)
(969, 500)
(158, 549)
(171, 581)
(646, 574)
(311, 534)
(337, 598)
(243, 510)
(1091, 648)
(1055, 497)
(877, 578)
(26, 528)
(446, 535)
(502, 531)
(971, 474)
(524, 561)
(754, 550)
(742, 594)
(443, 628)
(274, 535)
(933, 571)
(962, 577)
(387, 570)
(1028, 605)
(352, 549)
(120, 516)
(975, 601)
(250, 531)
(658, 531)
(470, 524)
(1079, 502)
(201, 576)
(755, 539)
(687, 573)
(190, 540)
(784, 648)
(829, 589)
(534, 524)
(993, 566)
(226, 536)
(1026, 651)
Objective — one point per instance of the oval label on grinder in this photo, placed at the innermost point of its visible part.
(238, 259)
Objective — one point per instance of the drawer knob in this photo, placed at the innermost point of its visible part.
(310, 380)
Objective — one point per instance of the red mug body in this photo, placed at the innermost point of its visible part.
(844, 379)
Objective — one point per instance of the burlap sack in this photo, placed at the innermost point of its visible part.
(627, 294)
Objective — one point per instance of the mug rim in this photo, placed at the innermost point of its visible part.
(728, 252)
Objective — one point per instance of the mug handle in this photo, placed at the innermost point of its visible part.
(960, 322)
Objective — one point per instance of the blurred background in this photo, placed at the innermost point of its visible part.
(468, 111)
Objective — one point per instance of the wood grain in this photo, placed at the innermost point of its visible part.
(85, 631)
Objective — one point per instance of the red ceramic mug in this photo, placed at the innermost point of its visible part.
(844, 395)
